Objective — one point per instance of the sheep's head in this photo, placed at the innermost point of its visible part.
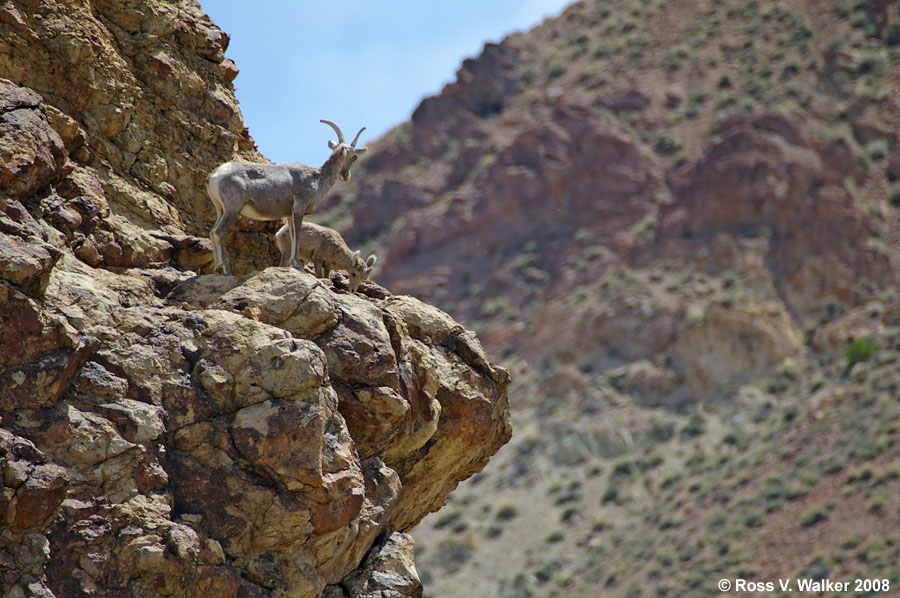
(343, 154)
(361, 270)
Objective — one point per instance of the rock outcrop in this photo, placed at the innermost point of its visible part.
(166, 432)
(793, 192)
(126, 107)
(208, 439)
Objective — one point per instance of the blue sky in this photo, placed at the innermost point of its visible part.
(356, 63)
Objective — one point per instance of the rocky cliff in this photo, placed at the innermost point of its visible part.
(165, 432)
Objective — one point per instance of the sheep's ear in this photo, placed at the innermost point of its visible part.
(360, 150)
(371, 261)
(356, 255)
(331, 144)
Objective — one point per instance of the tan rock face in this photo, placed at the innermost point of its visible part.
(388, 570)
(132, 86)
(169, 433)
(32, 153)
(733, 343)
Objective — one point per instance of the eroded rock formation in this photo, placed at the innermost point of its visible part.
(165, 432)
(208, 440)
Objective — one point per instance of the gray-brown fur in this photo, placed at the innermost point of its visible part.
(275, 191)
(326, 249)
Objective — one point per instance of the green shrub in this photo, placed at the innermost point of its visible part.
(454, 553)
(892, 37)
(877, 503)
(861, 349)
(842, 9)
(895, 194)
(666, 145)
(611, 494)
(547, 571)
(878, 149)
(871, 92)
(816, 514)
(790, 70)
(448, 519)
(694, 426)
(813, 516)
(555, 69)
(605, 47)
(754, 520)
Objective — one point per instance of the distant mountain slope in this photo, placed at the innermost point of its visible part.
(616, 124)
(678, 222)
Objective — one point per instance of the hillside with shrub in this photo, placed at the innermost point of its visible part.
(676, 223)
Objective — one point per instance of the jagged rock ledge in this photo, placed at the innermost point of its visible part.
(249, 436)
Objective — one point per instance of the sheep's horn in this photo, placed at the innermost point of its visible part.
(355, 139)
(336, 128)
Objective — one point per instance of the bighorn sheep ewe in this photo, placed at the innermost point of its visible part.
(275, 191)
(326, 249)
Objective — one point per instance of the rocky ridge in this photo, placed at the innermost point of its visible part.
(165, 432)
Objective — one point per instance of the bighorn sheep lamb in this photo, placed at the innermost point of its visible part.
(275, 191)
(326, 249)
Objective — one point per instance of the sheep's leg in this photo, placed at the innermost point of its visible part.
(289, 255)
(354, 277)
(319, 265)
(283, 241)
(213, 237)
(217, 236)
(314, 259)
(296, 224)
